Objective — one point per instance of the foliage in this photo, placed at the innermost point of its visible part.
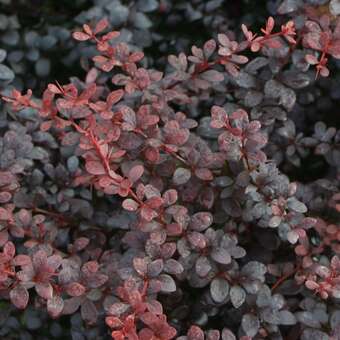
(150, 204)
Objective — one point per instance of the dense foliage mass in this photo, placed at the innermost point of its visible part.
(185, 193)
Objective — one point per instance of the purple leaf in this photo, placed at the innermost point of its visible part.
(219, 289)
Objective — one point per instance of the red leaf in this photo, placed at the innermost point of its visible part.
(3, 237)
(19, 297)
(81, 36)
(170, 197)
(195, 333)
(45, 290)
(75, 289)
(95, 168)
(54, 89)
(46, 125)
(154, 202)
(111, 35)
(148, 214)
(101, 25)
(136, 56)
(130, 205)
(113, 322)
(55, 306)
(114, 97)
(4, 214)
(9, 249)
(136, 173)
(204, 174)
(22, 260)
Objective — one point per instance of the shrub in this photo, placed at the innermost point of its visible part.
(124, 211)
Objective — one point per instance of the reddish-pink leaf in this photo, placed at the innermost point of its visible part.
(9, 249)
(44, 289)
(111, 35)
(81, 36)
(148, 214)
(95, 168)
(114, 97)
(5, 197)
(155, 307)
(113, 322)
(55, 306)
(54, 89)
(170, 197)
(204, 174)
(174, 229)
(19, 297)
(4, 214)
(130, 205)
(195, 333)
(75, 289)
(22, 260)
(136, 56)
(101, 25)
(136, 173)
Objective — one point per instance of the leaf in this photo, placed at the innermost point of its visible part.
(81, 36)
(181, 176)
(227, 334)
(9, 249)
(130, 205)
(114, 97)
(213, 76)
(155, 307)
(255, 270)
(95, 168)
(209, 48)
(75, 289)
(22, 260)
(44, 289)
(195, 333)
(136, 173)
(168, 284)
(55, 306)
(221, 255)
(54, 89)
(202, 266)
(201, 221)
(101, 25)
(287, 318)
(4, 216)
(89, 311)
(250, 324)
(296, 205)
(155, 268)
(173, 267)
(19, 297)
(170, 197)
(204, 174)
(219, 289)
(237, 296)
(118, 308)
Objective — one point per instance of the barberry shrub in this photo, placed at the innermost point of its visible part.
(118, 206)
